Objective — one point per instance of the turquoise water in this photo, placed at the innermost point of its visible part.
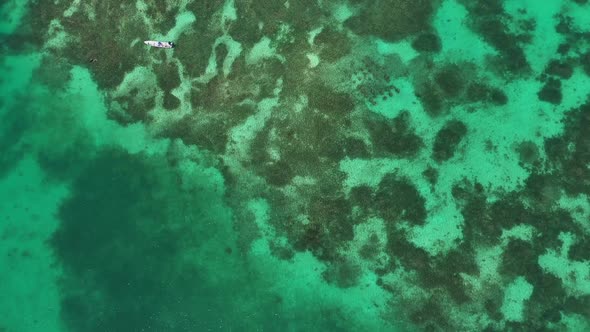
(350, 165)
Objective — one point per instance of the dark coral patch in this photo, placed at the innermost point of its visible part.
(519, 259)
(447, 140)
(242, 111)
(478, 226)
(445, 272)
(575, 168)
(281, 251)
(560, 69)
(245, 28)
(547, 299)
(204, 11)
(215, 94)
(488, 19)
(277, 173)
(554, 223)
(511, 211)
(171, 101)
(450, 81)
(114, 57)
(563, 49)
(206, 133)
(528, 153)
(579, 305)
(461, 259)
(296, 77)
(564, 26)
(259, 154)
(580, 250)
(41, 15)
(585, 62)
(333, 43)
(551, 92)
(362, 197)
(342, 273)
(411, 257)
(334, 213)
(431, 175)
(301, 15)
(53, 72)
(571, 151)
(492, 307)
(167, 76)
(304, 15)
(548, 291)
(330, 226)
(484, 8)
(431, 98)
(498, 97)
(221, 52)
(243, 84)
(194, 50)
(329, 101)
(371, 249)
(312, 142)
(248, 231)
(428, 42)
(392, 20)
(478, 92)
(398, 199)
(131, 107)
(543, 189)
(430, 316)
(393, 136)
(512, 56)
(557, 150)
(162, 16)
(333, 149)
(354, 148)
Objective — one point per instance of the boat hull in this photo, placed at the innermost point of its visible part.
(159, 44)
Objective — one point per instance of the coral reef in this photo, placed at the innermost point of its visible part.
(447, 140)
(348, 137)
(392, 20)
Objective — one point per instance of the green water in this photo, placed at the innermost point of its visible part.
(399, 165)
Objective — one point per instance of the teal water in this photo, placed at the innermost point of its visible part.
(399, 165)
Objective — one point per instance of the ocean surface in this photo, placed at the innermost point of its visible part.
(310, 165)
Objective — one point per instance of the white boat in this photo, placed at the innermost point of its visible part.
(160, 44)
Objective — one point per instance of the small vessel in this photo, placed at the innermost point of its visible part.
(160, 44)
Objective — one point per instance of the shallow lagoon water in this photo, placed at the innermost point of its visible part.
(299, 166)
